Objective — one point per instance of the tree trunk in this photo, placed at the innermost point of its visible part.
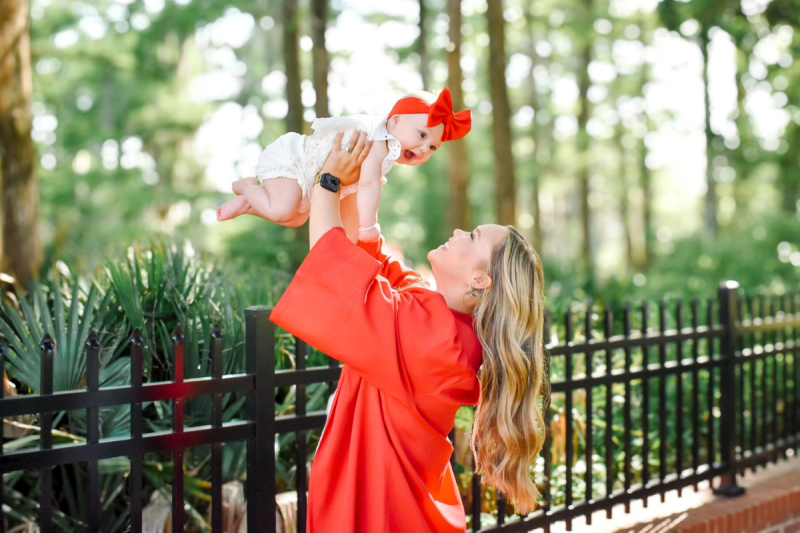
(538, 138)
(583, 148)
(710, 215)
(505, 198)
(291, 57)
(624, 203)
(319, 21)
(21, 246)
(789, 178)
(294, 115)
(458, 212)
(422, 48)
(647, 203)
(644, 173)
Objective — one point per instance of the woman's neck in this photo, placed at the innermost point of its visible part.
(455, 301)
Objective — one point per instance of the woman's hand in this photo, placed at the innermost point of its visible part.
(347, 165)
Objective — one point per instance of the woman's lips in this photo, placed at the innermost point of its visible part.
(409, 155)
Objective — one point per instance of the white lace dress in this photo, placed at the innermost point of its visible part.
(300, 157)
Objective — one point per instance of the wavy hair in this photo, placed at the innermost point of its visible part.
(508, 430)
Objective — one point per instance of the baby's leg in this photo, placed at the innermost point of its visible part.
(275, 199)
(239, 185)
(240, 206)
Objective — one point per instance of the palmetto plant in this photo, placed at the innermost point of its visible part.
(153, 288)
(67, 311)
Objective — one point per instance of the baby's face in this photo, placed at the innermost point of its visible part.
(417, 140)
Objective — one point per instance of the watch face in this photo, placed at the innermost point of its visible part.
(330, 182)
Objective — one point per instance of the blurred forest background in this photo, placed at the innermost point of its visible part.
(642, 146)
(648, 149)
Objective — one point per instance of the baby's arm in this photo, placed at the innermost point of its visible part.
(369, 192)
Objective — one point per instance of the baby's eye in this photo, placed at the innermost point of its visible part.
(422, 135)
(433, 148)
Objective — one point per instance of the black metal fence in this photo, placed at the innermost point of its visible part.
(644, 401)
(258, 430)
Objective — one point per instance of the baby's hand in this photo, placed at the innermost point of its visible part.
(370, 235)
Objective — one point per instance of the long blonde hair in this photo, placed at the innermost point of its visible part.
(508, 430)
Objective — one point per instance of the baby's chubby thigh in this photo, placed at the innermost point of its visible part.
(285, 195)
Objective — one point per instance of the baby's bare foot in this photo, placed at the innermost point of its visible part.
(233, 208)
(239, 185)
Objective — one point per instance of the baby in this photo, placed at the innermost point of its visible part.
(417, 126)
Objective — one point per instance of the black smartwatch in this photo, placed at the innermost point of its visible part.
(329, 182)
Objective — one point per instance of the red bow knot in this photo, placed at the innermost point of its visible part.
(456, 125)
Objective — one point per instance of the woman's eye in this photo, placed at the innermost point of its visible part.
(472, 235)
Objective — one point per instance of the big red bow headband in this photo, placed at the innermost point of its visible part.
(456, 125)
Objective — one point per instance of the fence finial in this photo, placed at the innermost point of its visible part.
(92, 341)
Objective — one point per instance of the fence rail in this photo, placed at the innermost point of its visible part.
(644, 401)
(258, 430)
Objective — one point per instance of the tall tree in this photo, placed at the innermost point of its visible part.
(458, 212)
(583, 144)
(291, 58)
(710, 212)
(707, 15)
(538, 137)
(624, 188)
(645, 176)
(422, 47)
(21, 244)
(294, 114)
(319, 21)
(505, 196)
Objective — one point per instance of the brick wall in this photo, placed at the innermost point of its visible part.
(762, 510)
(771, 504)
(790, 526)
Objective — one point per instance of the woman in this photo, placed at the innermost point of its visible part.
(411, 357)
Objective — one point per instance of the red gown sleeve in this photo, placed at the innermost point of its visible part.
(395, 272)
(339, 303)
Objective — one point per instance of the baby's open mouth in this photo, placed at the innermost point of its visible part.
(408, 154)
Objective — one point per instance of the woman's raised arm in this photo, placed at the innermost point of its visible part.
(346, 166)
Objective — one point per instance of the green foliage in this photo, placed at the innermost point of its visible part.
(152, 288)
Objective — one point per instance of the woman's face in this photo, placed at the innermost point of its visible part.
(418, 141)
(454, 264)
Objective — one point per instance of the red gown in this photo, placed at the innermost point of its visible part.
(409, 363)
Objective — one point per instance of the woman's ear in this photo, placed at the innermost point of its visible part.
(481, 280)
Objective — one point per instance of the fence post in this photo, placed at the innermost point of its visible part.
(48, 351)
(728, 308)
(2, 422)
(260, 363)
